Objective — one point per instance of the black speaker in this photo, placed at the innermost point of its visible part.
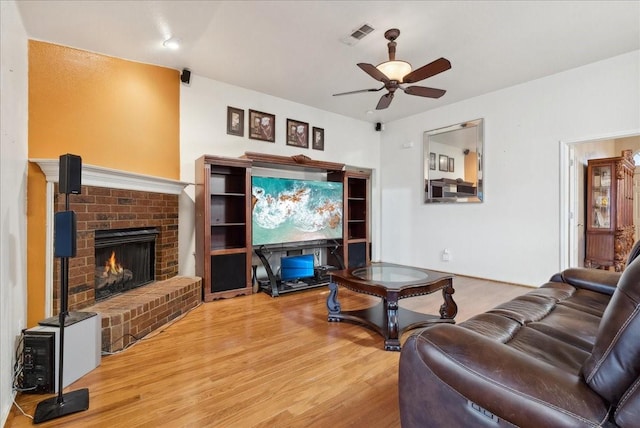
(228, 272)
(357, 255)
(64, 234)
(70, 171)
(185, 77)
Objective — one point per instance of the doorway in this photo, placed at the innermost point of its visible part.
(573, 163)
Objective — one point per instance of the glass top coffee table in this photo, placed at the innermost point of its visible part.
(391, 282)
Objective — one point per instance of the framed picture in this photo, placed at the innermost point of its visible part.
(262, 126)
(235, 121)
(451, 164)
(432, 161)
(318, 138)
(297, 133)
(443, 163)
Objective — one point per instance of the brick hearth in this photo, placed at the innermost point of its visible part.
(135, 313)
(130, 316)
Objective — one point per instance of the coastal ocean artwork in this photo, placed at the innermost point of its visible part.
(287, 210)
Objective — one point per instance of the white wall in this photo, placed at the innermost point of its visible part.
(13, 213)
(514, 235)
(203, 130)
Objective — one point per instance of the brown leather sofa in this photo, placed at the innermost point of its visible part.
(564, 355)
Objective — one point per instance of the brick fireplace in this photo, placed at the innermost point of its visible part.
(101, 208)
(123, 202)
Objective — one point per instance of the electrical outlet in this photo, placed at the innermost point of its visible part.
(446, 255)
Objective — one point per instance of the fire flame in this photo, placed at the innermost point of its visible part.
(112, 266)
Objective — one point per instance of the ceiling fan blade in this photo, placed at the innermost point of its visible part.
(431, 69)
(384, 102)
(358, 91)
(422, 91)
(372, 71)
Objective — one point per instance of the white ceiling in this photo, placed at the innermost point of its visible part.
(292, 49)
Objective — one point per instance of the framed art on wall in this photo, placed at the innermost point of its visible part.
(297, 133)
(443, 163)
(235, 121)
(451, 164)
(318, 138)
(262, 126)
(432, 161)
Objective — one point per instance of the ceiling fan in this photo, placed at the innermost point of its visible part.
(394, 74)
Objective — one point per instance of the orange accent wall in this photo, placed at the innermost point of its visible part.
(36, 235)
(112, 112)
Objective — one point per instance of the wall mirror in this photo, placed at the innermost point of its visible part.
(453, 158)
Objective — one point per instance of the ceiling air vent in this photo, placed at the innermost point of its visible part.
(357, 35)
(362, 31)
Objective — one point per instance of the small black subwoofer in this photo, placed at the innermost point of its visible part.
(70, 174)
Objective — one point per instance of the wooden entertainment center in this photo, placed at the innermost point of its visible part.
(224, 250)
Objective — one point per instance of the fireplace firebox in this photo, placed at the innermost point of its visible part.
(125, 259)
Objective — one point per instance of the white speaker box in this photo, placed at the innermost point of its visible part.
(82, 344)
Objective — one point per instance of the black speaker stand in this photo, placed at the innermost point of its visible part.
(74, 401)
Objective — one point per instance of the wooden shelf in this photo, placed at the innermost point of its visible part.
(223, 227)
(356, 242)
(228, 250)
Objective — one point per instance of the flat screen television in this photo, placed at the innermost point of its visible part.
(296, 267)
(287, 210)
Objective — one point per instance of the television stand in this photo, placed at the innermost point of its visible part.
(275, 287)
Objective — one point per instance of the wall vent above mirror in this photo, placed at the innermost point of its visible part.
(453, 163)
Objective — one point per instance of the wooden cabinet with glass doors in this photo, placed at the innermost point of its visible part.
(609, 231)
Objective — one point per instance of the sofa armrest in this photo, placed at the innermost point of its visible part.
(451, 376)
(597, 280)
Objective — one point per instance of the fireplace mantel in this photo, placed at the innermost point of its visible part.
(107, 177)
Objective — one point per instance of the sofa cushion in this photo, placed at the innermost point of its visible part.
(549, 346)
(493, 326)
(550, 350)
(570, 325)
(614, 363)
(555, 290)
(588, 301)
(526, 308)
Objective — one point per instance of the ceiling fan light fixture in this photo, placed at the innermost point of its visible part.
(395, 70)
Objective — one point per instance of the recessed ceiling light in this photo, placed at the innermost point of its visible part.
(172, 43)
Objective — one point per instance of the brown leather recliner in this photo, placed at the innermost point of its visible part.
(564, 355)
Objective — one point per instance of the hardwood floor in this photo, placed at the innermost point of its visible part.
(258, 361)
